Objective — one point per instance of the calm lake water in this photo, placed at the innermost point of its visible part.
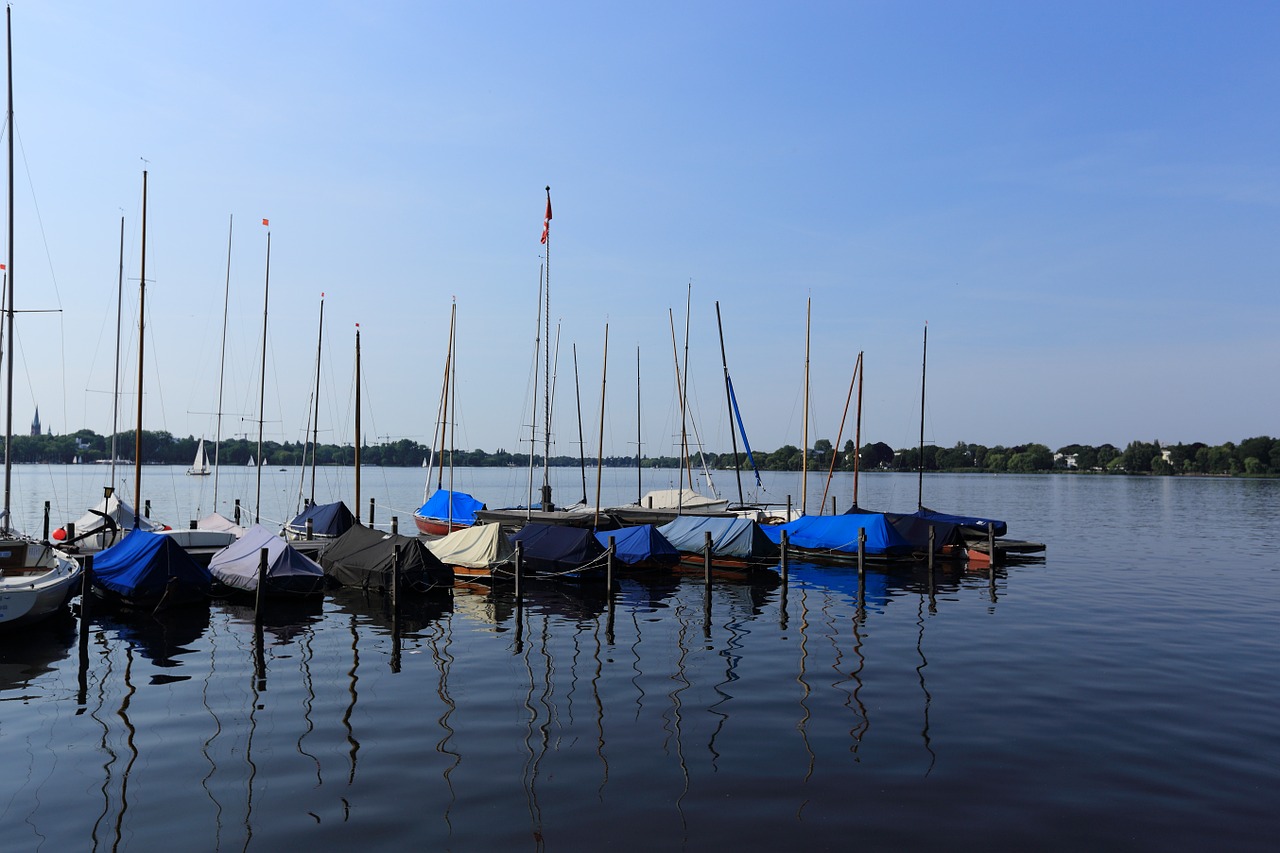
(1121, 694)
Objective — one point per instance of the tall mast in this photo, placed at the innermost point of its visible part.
(577, 394)
(315, 423)
(604, 378)
(804, 450)
(222, 365)
(684, 385)
(857, 435)
(639, 455)
(115, 386)
(357, 453)
(443, 409)
(728, 400)
(453, 409)
(262, 382)
(8, 409)
(675, 357)
(533, 415)
(547, 505)
(142, 322)
(924, 360)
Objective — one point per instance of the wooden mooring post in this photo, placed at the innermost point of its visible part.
(608, 589)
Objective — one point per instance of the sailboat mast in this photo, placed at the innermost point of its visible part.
(262, 381)
(577, 395)
(728, 400)
(453, 409)
(533, 415)
(357, 453)
(604, 378)
(804, 450)
(639, 455)
(547, 505)
(222, 358)
(924, 361)
(684, 385)
(315, 423)
(142, 323)
(8, 409)
(443, 409)
(857, 433)
(115, 386)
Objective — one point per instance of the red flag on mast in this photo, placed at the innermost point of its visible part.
(546, 220)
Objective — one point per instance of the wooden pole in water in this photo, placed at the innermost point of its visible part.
(862, 552)
(46, 522)
(395, 525)
(260, 594)
(613, 548)
(518, 560)
(372, 502)
(785, 559)
(991, 544)
(931, 534)
(86, 591)
(706, 560)
(395, 580)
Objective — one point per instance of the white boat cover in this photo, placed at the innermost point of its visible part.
(237, 564)
(478, 547)
(682, 499)
(119, 511)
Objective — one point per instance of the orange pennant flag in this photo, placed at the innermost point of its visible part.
(265, 222)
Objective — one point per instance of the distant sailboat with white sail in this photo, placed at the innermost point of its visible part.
(200, 465)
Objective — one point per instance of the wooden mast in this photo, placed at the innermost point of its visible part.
(924, 361)
(142, 322)
(857, 434)
(315, 423)
(262, 381)
(604, 378)
(804, 450)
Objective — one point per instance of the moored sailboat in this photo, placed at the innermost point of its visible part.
(36, 580)
(200, 465)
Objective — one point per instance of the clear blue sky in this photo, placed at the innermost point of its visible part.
(1082, 200)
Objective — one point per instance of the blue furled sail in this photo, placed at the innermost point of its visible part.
(742, 431)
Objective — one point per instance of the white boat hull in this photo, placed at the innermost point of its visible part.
(29, 594)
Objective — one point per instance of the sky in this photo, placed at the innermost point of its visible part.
(1081, 201)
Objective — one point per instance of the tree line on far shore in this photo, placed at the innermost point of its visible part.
(1256, 457)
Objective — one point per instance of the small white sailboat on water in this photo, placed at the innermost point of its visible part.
(200, 466)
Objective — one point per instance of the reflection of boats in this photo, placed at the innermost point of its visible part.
(32, 652)
(159, 637)
(288, 572)
(413, 614)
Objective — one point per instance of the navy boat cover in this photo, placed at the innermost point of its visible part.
(969, 522)
(140, 565)
(557, 548)
(328, 520)
(642, 544)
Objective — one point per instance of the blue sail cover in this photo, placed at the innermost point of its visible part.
(329, 520)
(840, 533)
(970, 522)
(288, 570)
(557, 548)
(140, 566)
(464, 510)
(640, 545)
(730, 537)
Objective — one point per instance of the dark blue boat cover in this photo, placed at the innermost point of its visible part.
(840, 533)
(329, 520)
(140, 565)
(971, 522)
(557, 548)
(730, 537)
(464, 511)
(640, 544)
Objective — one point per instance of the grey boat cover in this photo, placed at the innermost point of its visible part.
(682, 499)
(730, 537)
(287, 569)
(364, 557)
